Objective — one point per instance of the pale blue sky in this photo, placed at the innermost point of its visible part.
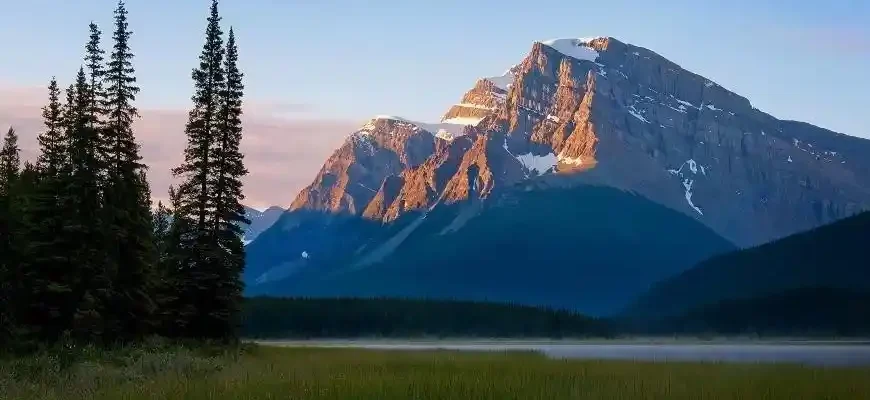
(803, 60)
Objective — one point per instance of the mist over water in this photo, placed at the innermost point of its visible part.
(809, 354)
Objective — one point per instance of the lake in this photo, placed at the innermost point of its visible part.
(811, 353)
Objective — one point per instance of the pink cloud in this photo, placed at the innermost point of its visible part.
(283, 151)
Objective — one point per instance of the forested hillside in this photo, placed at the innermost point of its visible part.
(806, 312)
(833, 256)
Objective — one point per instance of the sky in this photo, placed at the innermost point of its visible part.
(315, 69)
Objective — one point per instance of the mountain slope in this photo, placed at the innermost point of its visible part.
(833, 256)
(557, 247)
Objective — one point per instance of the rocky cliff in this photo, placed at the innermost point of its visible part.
(602, 112)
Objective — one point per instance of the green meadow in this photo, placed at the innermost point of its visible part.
(163, 371)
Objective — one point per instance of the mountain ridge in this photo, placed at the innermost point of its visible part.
(260, 221)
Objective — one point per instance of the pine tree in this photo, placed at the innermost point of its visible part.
(162, 224)
(81, 205)
(51, 271)
(9, 255)
(95, 99)
(126, 193)
(228, 166)
(20, 196)
(165, 292)
(201, 127)
(200, 268)
(176, 308)
(53, 158)
(10, 161)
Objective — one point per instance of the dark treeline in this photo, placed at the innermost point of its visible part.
(82, 256)
(804, 312)
(269, 317)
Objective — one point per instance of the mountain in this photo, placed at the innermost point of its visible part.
(604, 112)
(832, 257)
(506, 196)
(260, 221)
(529, 246)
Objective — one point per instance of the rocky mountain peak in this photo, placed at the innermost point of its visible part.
(600, 111)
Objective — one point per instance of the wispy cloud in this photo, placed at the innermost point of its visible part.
(284, 144)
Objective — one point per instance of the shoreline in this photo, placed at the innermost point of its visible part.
(459, 341)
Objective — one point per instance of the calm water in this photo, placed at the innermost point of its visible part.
(805, 353)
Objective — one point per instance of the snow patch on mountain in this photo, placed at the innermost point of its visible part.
(447, 129)
(390, 117)
(569, 160)
(687, 184)
(693, 166)
(477, 106)
(462, 121)
(534, 163)
(506, 80)
(574, 48)
(445, 135)
(633, 111)
(538, 164)
(684, 104)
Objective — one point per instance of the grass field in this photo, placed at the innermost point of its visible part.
(177, 372)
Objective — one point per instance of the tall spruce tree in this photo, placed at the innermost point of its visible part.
(162, 223)
(202, 126)
(83, 228)
(200, 272)
(10, 161)
(228, 168)
(14, 283)
(51, 271)
(53, 155)
(126, 194)
(9, 222)
(96, 94)
(177, 266)
(167, 234)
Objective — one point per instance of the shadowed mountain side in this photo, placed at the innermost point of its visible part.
(832, 256)
(586, 248)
